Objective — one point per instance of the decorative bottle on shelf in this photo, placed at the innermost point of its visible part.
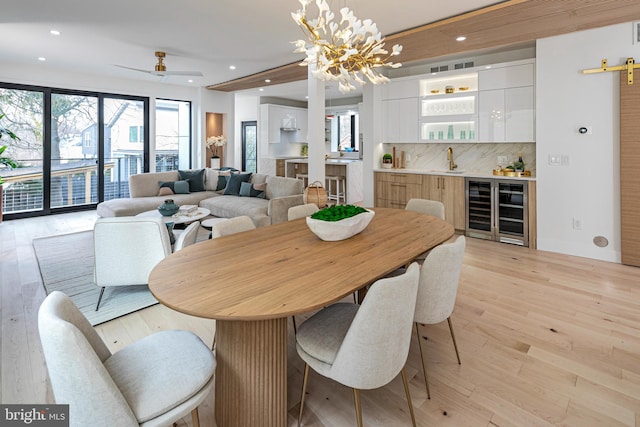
(519, 165)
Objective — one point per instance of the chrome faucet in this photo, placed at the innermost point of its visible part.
(452, 165)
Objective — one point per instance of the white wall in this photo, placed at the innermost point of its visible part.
(587, 188)
(203, 100)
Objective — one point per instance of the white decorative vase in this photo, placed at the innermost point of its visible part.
(332, 231)
(215, 163)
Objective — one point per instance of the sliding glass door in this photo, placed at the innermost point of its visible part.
(75, 149)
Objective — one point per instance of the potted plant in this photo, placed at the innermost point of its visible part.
(215, 143)
(387, 161)
(5, 162)
(339, 222)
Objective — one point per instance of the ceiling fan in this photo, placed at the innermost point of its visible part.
(161, 69)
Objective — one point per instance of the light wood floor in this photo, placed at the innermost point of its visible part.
(545, 339)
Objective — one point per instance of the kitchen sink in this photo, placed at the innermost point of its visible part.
(453, 172)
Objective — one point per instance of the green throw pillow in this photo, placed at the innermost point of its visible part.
(247, 190)
(234, 182)
(195, 178)
(222, 182)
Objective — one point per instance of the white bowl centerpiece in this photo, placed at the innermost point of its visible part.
(339, 222)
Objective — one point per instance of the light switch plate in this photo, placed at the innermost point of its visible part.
(555, 160)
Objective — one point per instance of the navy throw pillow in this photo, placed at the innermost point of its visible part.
(234, 182)
(195, 177)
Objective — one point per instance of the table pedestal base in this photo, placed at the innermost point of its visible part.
(251, 373)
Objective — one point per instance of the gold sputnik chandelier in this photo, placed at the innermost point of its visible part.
(347, 51)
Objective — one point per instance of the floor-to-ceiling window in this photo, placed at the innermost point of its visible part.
(250, 146)
(173, 135)
(76, 148)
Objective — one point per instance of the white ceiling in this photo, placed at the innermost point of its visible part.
(206, 36)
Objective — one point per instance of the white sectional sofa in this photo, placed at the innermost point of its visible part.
(270, 207)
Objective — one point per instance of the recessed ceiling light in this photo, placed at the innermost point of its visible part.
(232, 67)
(461, 39)
(267, 81)
(487, 67)
(190, 80)
(306, 97)
(54, 32)
(433, 74)
(261, 89)
(42, 58)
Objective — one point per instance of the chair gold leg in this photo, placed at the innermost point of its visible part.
(455, 345)
(195, 418)
(424, 363)
(304, 390)
(406, 391)
(356, 398)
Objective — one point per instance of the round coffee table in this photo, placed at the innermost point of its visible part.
(179, 218)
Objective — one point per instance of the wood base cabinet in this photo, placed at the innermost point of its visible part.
(450, 191)
(394, 189)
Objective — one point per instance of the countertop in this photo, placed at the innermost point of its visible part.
(464, 174)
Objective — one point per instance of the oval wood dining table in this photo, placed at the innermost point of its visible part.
(251, 282)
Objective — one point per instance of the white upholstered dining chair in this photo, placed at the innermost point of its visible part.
(301, 211)
(437, 291)
(427, 207)
(153, 382)
(187, 236)
(127, 249)
(232, 226)
(362, 346)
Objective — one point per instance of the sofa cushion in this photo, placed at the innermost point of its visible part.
(146, 184)
(234, 182)
(195, 178)
(233, 206)
(134, 206)
(278, 186)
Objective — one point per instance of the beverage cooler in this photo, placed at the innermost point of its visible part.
(497, 210)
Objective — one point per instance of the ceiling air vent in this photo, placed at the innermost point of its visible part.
(636, 33)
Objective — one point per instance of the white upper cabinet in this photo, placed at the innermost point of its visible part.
(502, 77)
(506, 106)
(279, 123)
(400, 120)
(401, 88)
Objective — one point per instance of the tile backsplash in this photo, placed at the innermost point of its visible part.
(469, 157)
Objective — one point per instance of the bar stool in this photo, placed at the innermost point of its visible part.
(336, 188)
(304, 177)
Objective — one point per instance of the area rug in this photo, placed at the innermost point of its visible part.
(66, 265)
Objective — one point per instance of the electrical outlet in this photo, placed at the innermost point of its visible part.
(502, 160)
(577, 224)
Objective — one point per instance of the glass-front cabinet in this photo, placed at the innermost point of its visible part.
(449, 108)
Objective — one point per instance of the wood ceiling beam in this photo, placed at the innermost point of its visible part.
(507, 23)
